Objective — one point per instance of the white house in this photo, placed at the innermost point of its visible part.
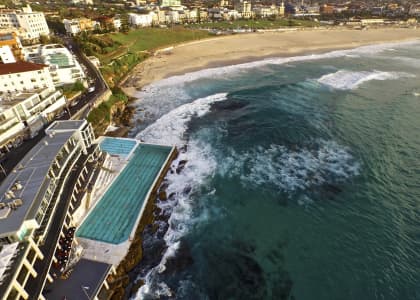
(24, 76)
(33, 23)
(142, 20)
(71, 26)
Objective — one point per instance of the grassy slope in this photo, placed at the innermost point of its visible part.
(116, 64)
(148, 39)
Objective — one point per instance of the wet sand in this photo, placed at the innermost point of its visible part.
(241, 48)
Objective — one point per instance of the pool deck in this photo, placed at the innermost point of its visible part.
(109, 226)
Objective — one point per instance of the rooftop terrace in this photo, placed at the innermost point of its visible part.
(29, 182)
(84, 282)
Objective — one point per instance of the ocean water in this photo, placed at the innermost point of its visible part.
(301, 179)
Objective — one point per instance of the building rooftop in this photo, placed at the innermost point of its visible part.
(64, 125)
(19, 67)
(84, 282)
(31, 175)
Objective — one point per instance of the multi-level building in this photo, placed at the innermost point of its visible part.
(63, 66)
(74, 26)
(36, 204)
(22, 115)
(24, 76)
(169, 3)
(33, 23)
(245, 9)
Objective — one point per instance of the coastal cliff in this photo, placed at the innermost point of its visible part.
(116, 111)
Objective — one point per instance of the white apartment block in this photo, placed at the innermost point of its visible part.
(72, 26)
(33, 23)
(64, 67)
(143, 20)
(36, 211)
(24, 114)
(24, 76)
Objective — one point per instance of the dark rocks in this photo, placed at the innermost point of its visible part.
(162, 195)
(181, 166)
(187, 190)
(181, 260)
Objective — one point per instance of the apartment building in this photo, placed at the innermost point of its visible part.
(23, 115)
(24, 76)
(33, 23)
(36, 204)
(63, 65)
(74, 26)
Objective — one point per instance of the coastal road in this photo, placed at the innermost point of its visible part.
(83, 102)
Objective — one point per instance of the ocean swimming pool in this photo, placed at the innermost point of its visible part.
(117, 146)
(113, 218)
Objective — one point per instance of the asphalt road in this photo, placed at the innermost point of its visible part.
(11, 159)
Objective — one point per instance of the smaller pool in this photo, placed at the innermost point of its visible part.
(116, 146)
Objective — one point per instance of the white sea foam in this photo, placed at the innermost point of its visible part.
(154, 88)
(348, 80)
(162, 96)
(291, 170)
(170, 128)
(201, 165)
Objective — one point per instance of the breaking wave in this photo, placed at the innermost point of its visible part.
(170, 128)
(183, 185)
(292, 170)
(165, 95)
(348, 80)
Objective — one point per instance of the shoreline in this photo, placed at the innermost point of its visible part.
(244, 48)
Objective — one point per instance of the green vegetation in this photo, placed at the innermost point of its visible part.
(148, 39)
(102, 113)
(256, 24)
(119, 54)
(73, 89)
(108, 47)
(118, 68)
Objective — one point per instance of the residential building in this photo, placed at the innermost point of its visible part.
(262, 11)
(327, 9)
(245, 9)
(74, 26)
(12, 40)
(22, 115)
(169, 3)
(37, 202)
(281, 9)
(64, 67)
(24, 76)
(141, 20)
(414, 10)
(33, 23)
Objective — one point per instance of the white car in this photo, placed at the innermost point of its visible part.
(91, 89)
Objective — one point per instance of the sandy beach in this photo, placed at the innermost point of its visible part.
(248, 47)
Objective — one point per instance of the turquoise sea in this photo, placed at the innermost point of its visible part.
(298, 178)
